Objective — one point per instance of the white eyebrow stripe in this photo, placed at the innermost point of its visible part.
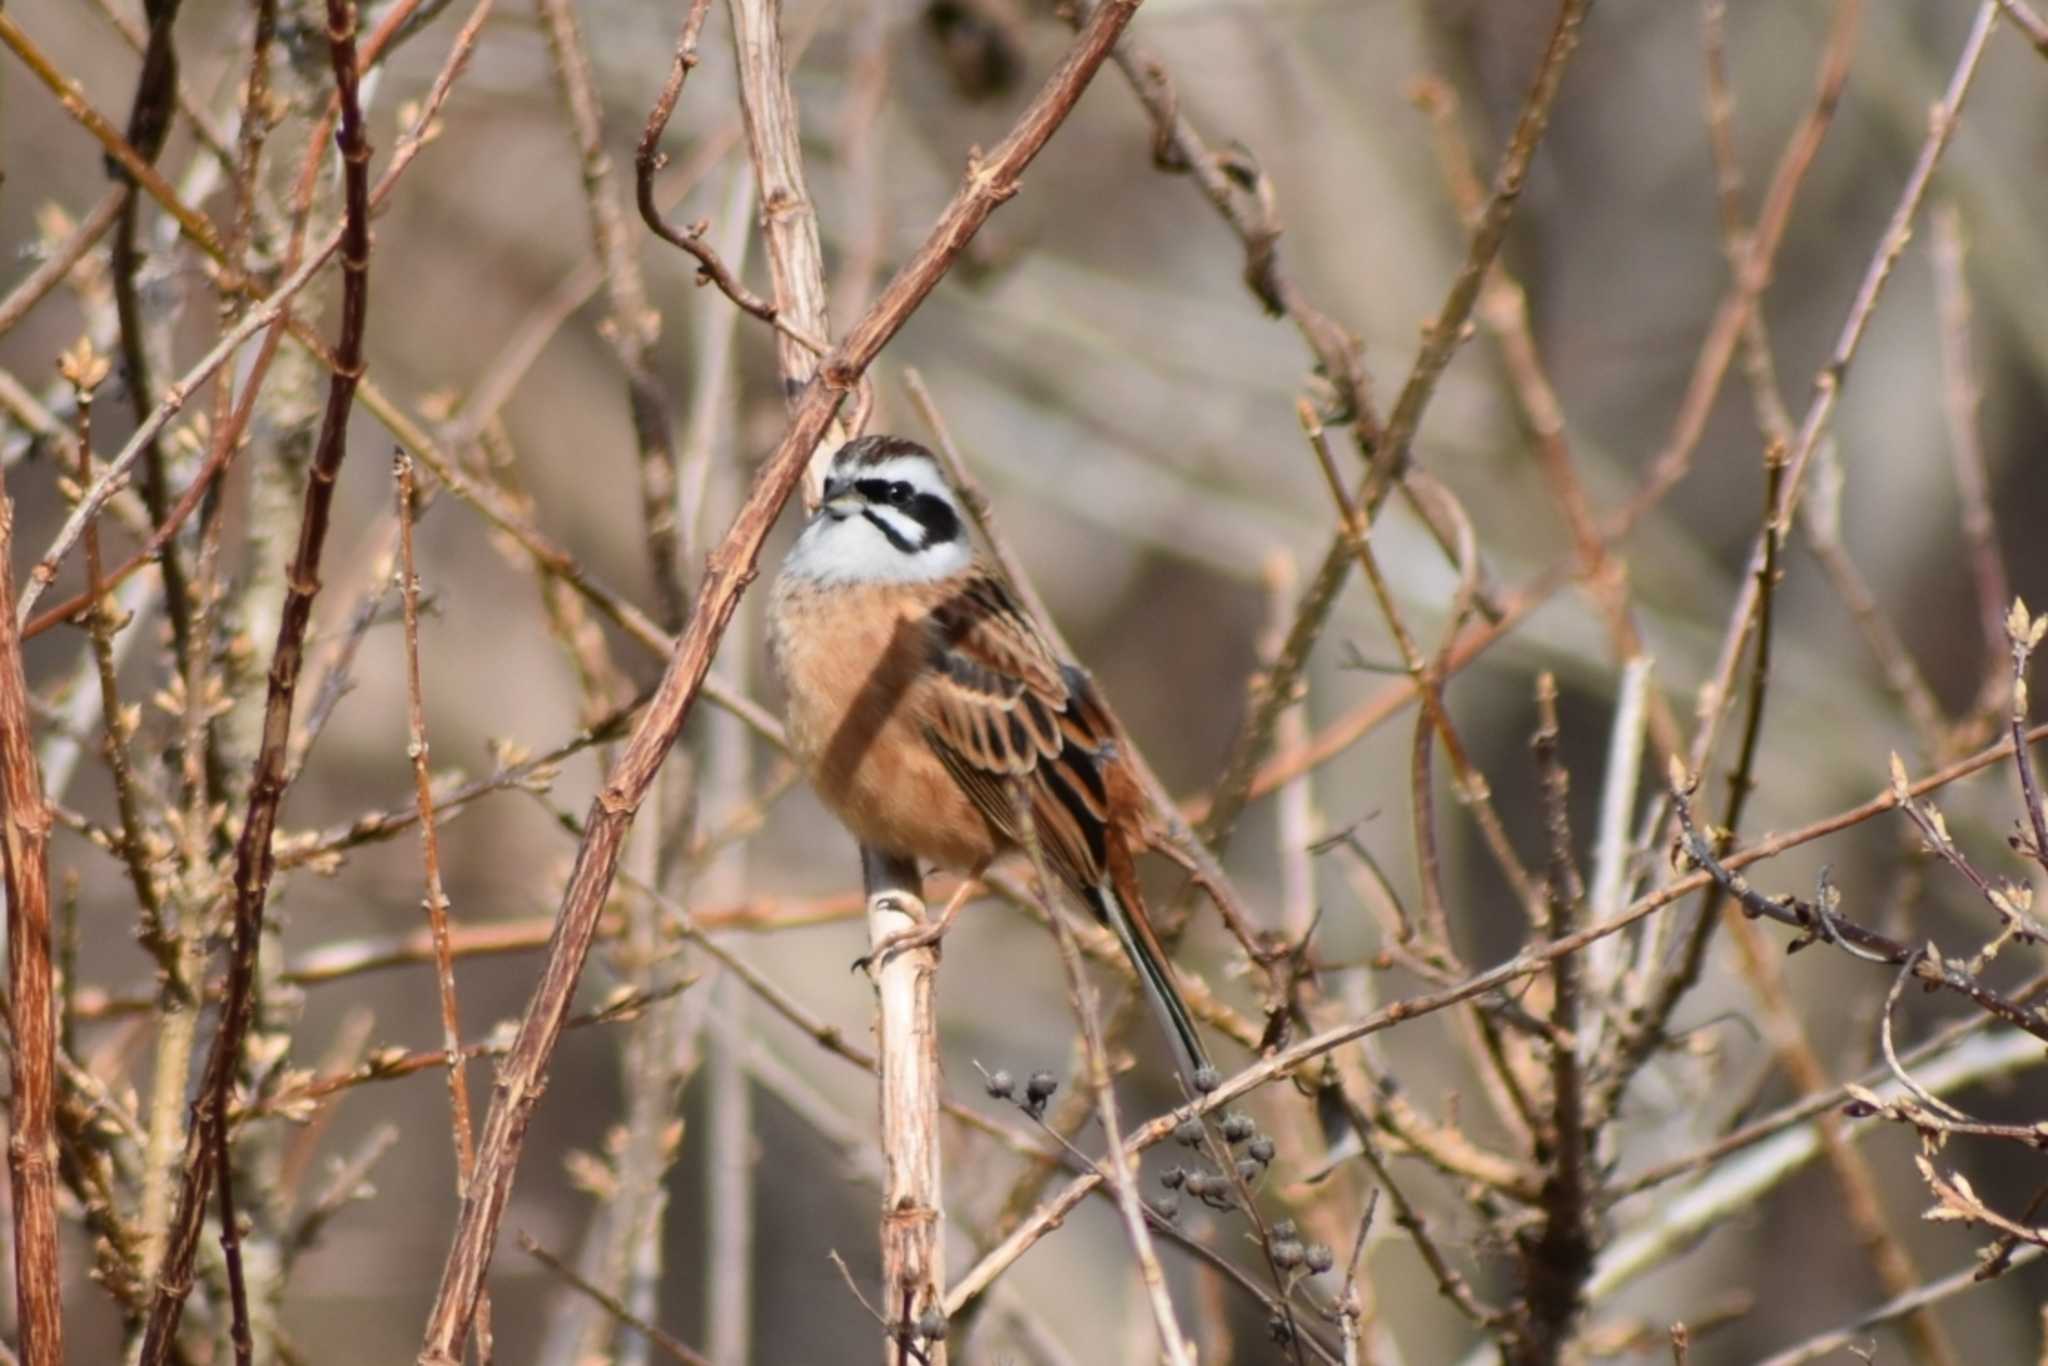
(913, 470)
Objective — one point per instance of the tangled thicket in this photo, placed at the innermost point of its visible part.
(1545, 487)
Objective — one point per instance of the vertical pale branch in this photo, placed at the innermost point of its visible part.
(31, 1144)
(789, 221)
(992, 180)
(727, 777)
(207, 1138)
(1960, 400)
(907, 1060)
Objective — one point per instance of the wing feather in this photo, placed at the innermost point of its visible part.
(1005, 709)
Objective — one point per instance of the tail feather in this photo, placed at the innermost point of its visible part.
(1134, 932)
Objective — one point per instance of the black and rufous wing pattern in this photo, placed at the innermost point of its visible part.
(1003, 710)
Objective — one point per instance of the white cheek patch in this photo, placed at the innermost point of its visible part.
(852, 549)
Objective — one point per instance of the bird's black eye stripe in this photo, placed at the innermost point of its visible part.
(936, 516)
(930, 511)
(893, 491)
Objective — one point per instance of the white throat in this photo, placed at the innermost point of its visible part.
(846, 547)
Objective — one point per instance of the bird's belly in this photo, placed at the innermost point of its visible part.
(903, 801)
(851, 675)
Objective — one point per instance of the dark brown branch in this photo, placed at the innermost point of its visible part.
(1819, 922)
(1557, 1256)
(149, 123)
(207, 1139)
(1650, 1032)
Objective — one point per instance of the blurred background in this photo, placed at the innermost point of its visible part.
(1130, 409)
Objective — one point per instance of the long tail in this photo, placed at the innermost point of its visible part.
(1141, 946)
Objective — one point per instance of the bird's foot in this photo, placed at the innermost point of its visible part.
(924, 936)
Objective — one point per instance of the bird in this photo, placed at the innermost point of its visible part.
(930, 713)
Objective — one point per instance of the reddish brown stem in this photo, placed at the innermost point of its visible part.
(31, 1147)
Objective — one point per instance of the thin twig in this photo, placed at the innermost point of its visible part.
(436, 899)
(57, 262)
(2028, 22)
(648, 161)
(1820, 923)
(1917, 1301)
(672, 1347)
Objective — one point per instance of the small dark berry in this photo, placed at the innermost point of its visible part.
(1207, 1079)
(1167, 1207)
(1041, 1087)
(1318, 1258)
(1238, 1126)
(1001, 1084)
(1284, 1231)
(1260, 1150)
(1199, 1184)
(931, 1325)
(1188, 1133)
(1172, 1177)
(1287, 1254)
(1278, 1329)
(1248, 1170)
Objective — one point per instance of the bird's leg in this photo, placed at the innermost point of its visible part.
(931, 932)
